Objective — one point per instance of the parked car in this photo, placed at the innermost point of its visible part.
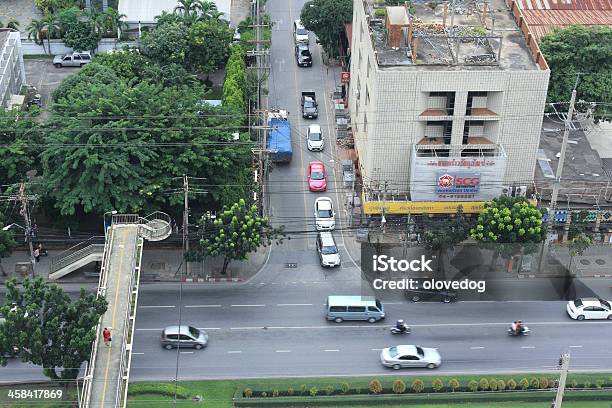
(72, 59)
(317, 178)
(589, 308)
(300, 34)
(327, 249)
(183, 336)
(324, 214)
(404, 356)
(314, 138)
(420, 294)
(303, 56)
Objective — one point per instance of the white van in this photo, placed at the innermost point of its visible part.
(340, 308)
(300, 34)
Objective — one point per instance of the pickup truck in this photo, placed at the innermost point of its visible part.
(72, 59)
(309, 105)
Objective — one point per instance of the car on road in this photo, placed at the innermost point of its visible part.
(314, 138)
(303, 58)
(324, 214)
(341, 308)
(183, 336)
(317, 178)
(589, 308)
(406, 356)
(327, 249)
(300, 34)
(419, 293)
(72, 59)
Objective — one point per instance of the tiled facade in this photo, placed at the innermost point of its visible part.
(396, 107)
(12, 70)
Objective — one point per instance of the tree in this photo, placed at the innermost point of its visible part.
(187, 8)
(586, 50)
(167, 43)
(238, 231)
(36, 32)
(12, 23)
(114, 22)
(577, 246)
(443, 234)
(48, 328)
(7, 244)
(19, 141)
(509, 226)
(82, 36)
(209, 43)
(50, 26)
(326, 18)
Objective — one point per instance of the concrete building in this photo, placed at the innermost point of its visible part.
(12, 70)
(446, 105)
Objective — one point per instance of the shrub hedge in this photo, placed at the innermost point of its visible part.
(234, 86)
(167, 390)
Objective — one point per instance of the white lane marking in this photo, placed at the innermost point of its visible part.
(160, 306)
(248, 305)
(203, 306)
(186, 352)
(294, 304)
(527, 347)
(476, 348)
(283, 351)
(201, 328)
(376, 349)
(331, 350)
(140, 354)
(234, 352)
(575, 346)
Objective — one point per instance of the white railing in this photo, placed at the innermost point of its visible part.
(155, 226)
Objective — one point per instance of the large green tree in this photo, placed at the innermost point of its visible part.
(82, 36)
(585, 50)
(209, 43)
(443, 234)
(19, 146)
(44, 326)
(167, 43)
(237, 231)
(509, 226)
(326, 18)
(7, 244)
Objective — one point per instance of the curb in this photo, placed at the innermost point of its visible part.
(211, 280)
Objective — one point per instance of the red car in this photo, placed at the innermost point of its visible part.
(317, 179)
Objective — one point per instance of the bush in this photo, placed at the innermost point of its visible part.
(437, 385)
(544, 382)
(166, 390)
(453, 384)
(535, 383)
(329, 390)
(275, 393)
(511, 384)
(313, 391)
(523, 384)
(501, 385)
(375, 386)
(483, 384)
(303, 389)
(345, 387)
(493, 384)
(587, 384)
(599, 383)
(290, 391)
(264, 394)
(234, 86)
(380, 12)
(418, 385)
(473, 385)
(248, 393)
(573, 383)
(399, 386)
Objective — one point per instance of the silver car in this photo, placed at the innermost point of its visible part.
(410, 356)
(72, 59)
(183, 336)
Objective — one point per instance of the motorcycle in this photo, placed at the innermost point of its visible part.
(524, 332)
(395, 330)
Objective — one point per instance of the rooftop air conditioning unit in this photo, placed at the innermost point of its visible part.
(520, 191)
(507, 191)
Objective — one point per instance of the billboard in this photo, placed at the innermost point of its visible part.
(456, 178)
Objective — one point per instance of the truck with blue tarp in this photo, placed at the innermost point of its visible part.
(278, 144)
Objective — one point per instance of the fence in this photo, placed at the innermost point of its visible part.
(29, 47)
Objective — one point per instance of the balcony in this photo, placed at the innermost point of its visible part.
(436, 114)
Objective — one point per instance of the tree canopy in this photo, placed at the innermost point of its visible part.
(19, 146)
(585, 50)
(44, 326)
(326, 18)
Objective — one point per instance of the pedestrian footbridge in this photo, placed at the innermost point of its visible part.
(107, 374)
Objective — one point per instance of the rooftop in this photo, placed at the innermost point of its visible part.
(145, 11)
(471, 35)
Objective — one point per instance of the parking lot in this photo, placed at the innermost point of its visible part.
(41, 73)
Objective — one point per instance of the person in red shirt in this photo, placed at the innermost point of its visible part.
(107, 336)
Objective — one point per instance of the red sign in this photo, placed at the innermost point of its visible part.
(345, 77)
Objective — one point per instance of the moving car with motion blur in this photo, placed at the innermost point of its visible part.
(407, 356)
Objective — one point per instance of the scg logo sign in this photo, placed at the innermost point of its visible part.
(467, 181)
(458, 183)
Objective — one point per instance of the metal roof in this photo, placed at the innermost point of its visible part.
(565, 4)
(145, 11)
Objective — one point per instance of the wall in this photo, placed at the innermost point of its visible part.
(12, 70)
(57, 46)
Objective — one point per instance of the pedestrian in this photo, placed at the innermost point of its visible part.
(107, 336)
(37, 254)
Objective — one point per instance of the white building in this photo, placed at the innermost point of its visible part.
(12, 70)
(443, 114)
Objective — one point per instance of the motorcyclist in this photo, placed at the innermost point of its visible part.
(401, 326)
(514, 327)
(519, 327)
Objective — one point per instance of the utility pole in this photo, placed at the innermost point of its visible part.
(564, 363)
(186, 222)
(23, 198)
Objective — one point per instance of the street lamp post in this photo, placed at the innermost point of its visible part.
(28, 234)
(112, 212)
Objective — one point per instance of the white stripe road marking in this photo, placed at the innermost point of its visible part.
(234, 352)
(294, 304)
(527, 347)
(575, 346)
(201, 328)
(283, 351)
(331, 350)
(151, 307)
(203, 306)
(376, 349)
(476, 348)
(140, 354)
(248, 305)
(186, 352)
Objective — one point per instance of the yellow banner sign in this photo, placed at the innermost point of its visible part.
(422, 207)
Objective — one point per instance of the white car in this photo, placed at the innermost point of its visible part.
(300, 34)
(324, 214)
(327, 249)
(410, 356)
(315, 138)
(589, 308)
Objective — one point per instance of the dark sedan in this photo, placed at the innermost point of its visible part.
(303, 56)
